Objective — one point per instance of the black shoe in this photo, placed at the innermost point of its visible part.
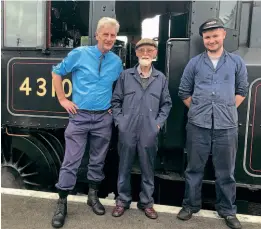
(232, 222)
(60, 213)
(185, 214)
(95, 203)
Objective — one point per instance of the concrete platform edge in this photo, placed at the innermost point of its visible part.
(109, 202)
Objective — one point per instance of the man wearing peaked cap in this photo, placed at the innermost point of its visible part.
(148, 42)
(140, 105)
(213, 85)
(211, 24)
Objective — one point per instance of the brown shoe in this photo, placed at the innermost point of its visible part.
(151, 213)
(118, 211)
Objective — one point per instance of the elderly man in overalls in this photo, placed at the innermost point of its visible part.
(141, 104)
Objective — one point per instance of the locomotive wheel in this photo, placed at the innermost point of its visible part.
(54, 146)
(52, 151)
(10, 175)
(26, 164)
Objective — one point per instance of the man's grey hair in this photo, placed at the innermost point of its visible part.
(108, 21)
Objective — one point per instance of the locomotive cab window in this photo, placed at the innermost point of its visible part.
(69, 23)
(23, 23)
(228, 13)
(158, 20)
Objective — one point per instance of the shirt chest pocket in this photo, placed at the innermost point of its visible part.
(228, 78)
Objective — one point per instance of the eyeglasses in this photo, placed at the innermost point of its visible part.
(143, 50)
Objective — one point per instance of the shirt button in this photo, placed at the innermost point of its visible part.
(213, 93)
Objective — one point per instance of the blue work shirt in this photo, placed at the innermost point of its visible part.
(92, 90)
(213, 91)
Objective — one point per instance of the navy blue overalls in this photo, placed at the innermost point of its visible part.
(137, 112)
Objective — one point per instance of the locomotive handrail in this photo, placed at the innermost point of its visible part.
(168, 51)
(167, 62)
(16, 135)
(178, 39)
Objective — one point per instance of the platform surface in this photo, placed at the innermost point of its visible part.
(35, 210)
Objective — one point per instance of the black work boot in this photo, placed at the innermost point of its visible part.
(94, 201)
(60, 213)
(232, 222)
(185, 214)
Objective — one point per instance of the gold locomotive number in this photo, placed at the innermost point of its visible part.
(41, 90)
(25, 86)
(41, 87)
(69, 86)
(64, 82)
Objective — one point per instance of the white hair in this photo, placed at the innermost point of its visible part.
(108, 21)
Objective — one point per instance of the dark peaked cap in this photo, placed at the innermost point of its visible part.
(212, 23)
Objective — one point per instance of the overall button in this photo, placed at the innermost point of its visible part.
(213, 93)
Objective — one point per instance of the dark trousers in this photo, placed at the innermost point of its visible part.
(97, 127)
(223, 144)
(146, 148)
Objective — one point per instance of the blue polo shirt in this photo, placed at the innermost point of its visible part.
(214, 90)
(92, 89)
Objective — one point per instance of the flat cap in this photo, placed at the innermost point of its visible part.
(212, 23)
(146, 41)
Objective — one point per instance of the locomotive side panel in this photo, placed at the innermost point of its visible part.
(29, 95)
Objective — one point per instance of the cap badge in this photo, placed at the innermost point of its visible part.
(211, 23)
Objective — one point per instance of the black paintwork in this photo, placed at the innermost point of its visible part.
(45, 120)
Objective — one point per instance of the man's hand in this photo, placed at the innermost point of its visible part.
(69, 106)
(239, 100)
(110, 111)
(187, 101)
(158, 126)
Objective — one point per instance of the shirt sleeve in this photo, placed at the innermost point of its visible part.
(120, 69)
(241, 79)
(165, 105)
(68, 64)
(117, 99)
(187, 81)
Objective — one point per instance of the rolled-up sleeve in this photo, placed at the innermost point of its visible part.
(69, 63)
(187, 81)
(241, 87)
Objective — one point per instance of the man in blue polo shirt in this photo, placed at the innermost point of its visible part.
(94, 69)
(213, 85)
